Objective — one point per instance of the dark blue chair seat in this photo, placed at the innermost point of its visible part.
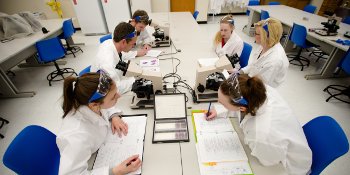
(274, 3)
(264, 15)
(195, 14)
(244, 58)
(51, 50)
(106, 37)
(310, 8)
(84, 71)
(326, 140)
(32, 152)
(298, 37)
(252, 3)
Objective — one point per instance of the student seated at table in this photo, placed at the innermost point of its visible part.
(226, 40)
(140, 20)
(110, 53)
(270, 128)
(269, 60)
(86, 122)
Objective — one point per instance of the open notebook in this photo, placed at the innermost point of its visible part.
(218, 146)
(116, 150)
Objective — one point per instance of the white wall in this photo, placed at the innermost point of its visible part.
(160, 5)
(15, 6)
(317, 3)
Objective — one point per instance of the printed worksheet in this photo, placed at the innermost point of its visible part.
(217, 125)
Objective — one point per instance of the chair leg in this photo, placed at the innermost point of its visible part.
(3, 121)
(299, 59)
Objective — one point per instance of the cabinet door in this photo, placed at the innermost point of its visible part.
(115, 11)
(182, 5)
(140, 5)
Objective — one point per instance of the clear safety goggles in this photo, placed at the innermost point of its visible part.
(103, 87)
(143, 18)
(265, 26)
(233, 81)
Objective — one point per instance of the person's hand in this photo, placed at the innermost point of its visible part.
(129, 165)
(119, 126)
(147, 47)
(211, 115)
(141, 52)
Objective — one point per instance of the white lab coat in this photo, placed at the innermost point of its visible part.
(274, 135)
(272, 66)
(107, 58)
(145, 37)
(232, 46)
(82, 133)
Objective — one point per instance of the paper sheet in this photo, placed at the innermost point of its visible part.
(221, 147)
(116, 149)
(153, 53)
(204, 62)
(170, 106)
(217, 125)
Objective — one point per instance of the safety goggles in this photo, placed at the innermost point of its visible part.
(265, 26)
(143, 19)
(103, 87)
(233, 81)
(131, 35)
(230, 20)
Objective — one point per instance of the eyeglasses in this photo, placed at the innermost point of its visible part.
(256, 34)
(233, 81)
(131, 35)
(103, 87)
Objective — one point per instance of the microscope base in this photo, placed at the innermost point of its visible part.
(165, 43)
(206, 96)
(141, 103)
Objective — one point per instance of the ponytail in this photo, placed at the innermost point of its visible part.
(252, 89)
(68, 95)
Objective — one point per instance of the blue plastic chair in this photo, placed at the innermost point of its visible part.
(347, 20)
(247, 49)
(33, 151)
(195, 14)
(68, 31)
(51, 50)
(106, 37)
(338, 91)
(327, 142)
(252, 3)
(298, 37)
(264, 15)
(84, 71)
(310, 8)
(274, 3)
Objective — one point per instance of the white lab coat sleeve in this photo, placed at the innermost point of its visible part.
(110, 111)
(129, 55)
(125, 85)
(220, 110)
(267, 154)
(246, 69)
(75, 153)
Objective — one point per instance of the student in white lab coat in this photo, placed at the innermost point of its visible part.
(226, 40)
(109, 54)
(140, 20)
(88, 107)
(269, 61)
(270, 128)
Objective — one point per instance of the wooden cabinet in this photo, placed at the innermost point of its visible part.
(299, 4)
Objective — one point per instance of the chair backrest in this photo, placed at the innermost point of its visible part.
(33, 151)
(50, 50)
(84, 71)
(298, 35)
(252, 3)
(327, 142)
(247, 48)
(264, 15)
(274, 3)
(345, 62)
(195, 14)
(68, 28)
(346, 20)
(310, 8)
(106, 37)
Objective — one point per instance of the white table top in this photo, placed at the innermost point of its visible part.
(17, 45)
(292, 15)
(167, 158)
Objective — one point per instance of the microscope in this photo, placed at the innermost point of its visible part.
(330, 27)
(209, 78)
(161, 34)
(147, 84)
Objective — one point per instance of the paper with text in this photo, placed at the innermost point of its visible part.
(117, 149)
(220, 147)
(217, 125)
(153, 53)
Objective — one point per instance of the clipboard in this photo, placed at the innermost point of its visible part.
(170, 118)
(116, 151)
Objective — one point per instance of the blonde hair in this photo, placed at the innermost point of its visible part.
(274, 33)
(228, 19)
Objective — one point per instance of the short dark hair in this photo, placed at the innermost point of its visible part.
(143, 15)
(121, 31)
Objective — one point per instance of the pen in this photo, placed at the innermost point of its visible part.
(208, 109)
(129, 163)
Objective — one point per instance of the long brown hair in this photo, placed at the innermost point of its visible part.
(79, 93)
(228, 19)
(252, 89)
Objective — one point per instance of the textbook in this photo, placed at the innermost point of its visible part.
(115, 150)
(219, 149)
